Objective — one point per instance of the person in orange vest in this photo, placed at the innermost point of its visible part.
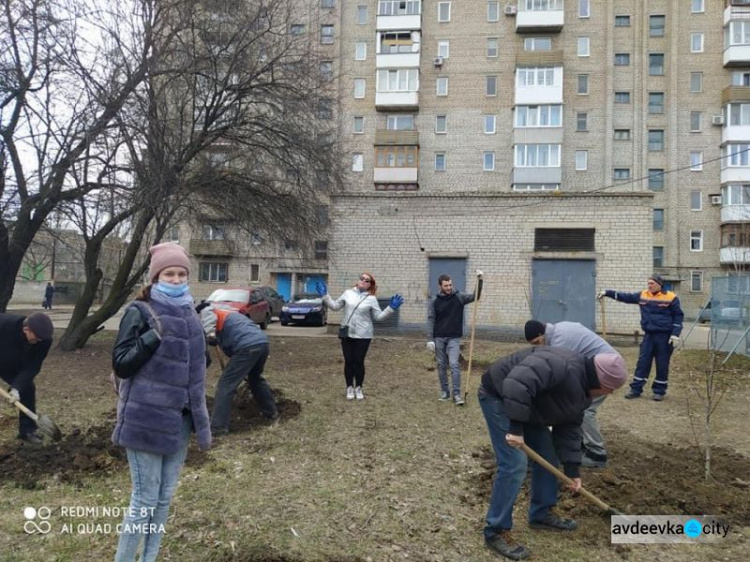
(246, 345)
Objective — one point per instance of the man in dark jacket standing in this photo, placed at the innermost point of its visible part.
(24, 344)
(661, 322)
(445, 327)
(521, 395)
(49, 293)
(246, 345)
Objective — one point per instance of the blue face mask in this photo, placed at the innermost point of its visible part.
(170, 290)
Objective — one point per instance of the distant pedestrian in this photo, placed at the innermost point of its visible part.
(361, 309)
(49, 292)
(661, 321)
(445, 328)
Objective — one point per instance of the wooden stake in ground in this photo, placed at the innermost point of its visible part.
(471, 341)
(604, 317)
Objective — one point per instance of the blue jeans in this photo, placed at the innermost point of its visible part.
(511, 468)
(447, 352)
(154, 480)
(654, 347)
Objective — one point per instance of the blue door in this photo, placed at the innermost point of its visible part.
(456, 268)
(564, 290)
(308, 282)
(284, 285)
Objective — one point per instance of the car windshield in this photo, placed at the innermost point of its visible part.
(307, 298)
(228, 295)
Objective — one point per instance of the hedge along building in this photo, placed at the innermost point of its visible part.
(542, 255)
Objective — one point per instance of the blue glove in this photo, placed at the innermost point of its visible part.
(396, 301)
(321, 289)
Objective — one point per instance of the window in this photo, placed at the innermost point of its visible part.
(583, 47)
(444, 49)
(696, 201)
(490, 88)
(297, 29)
(655, 140)
(740, 78)
(535, 76)
(582, 160)
(439, 161)
(622, 97)
(696, 281)
(582, 118)
(658, 256)
(321, 250)
(358, 162)
(656, 26)
(696, 42)
(656, 102)
(493, 11)
(360, 51)
(325, 110)
(359, 87)
(544, 5)
(399, 122)
(736, 155)
(214, 232)
(739, 114)
(326, 70)
(537, 155)
(584, 9)
(736, 194)
(538, 116)
(737, 33)
(656, 179)
(622, 134)
(326, 34)
(621, 174)
(656, 64)
(696, 120)
(290, 244)
(583, 84)
(622, 59)
(398, 42)
(441, 124)
(489, 124)
(697, 6)
(696, 161)
(658, 220)
(359, 124)
(361, 15)
(254, 273)
(442, 86)
(321, 211)
(328, 4)
(173, 233)
(210, 272)
(398, 80)
(696, 240)
(492, 49)
(696, 82)
(537, 44)
(396, 156)
(488, 161)
(399, 7)
(622, 21)
(444, 11)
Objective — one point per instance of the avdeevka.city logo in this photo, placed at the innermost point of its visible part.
(693, 528)
(649, 529)
(31, 526)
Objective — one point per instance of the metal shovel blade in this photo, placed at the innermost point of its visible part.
(49, 427)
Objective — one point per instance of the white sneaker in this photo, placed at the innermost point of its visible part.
(350, 393)
(358, 393)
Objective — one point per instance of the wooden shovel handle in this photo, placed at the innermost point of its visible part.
(17, 404)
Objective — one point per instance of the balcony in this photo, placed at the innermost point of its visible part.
(540, 16)
(396, 15)
(539, 89)
(396, 100)
(398, 60)
(396, 175)
(542, 175)
(735, 174)
(736, 255)
(735, 214)
(223, 248)
(387, 137)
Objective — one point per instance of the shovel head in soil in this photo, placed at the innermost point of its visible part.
(45, 424)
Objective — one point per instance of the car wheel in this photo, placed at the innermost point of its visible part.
(266, 322)
(284, 323)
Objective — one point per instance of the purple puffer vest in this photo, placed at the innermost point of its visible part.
(149, 411)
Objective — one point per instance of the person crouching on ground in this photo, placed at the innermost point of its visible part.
(521, 396)
(160, 355)
(246, 345)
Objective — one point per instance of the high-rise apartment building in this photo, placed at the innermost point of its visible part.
(560, 145)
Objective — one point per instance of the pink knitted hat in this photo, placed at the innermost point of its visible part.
(167, 255)
(610, 368)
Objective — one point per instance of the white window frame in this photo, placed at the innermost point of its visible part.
(325, 38)
(700, 200)
(737, 33)
(360, 88)
(584, 8)
(696, 125)
(582, 160)
(392, 121)
(359, 13)
(438, 120)
(696, 42)
(490, 124)
(488, 154)
(440, 17)
(441, 86)
(699, 77)
(696, 275)
(529, 155)
(360, 50)
(539, 76)
(537, 44)
(493, 6)
(358, 162)
(696, 238)
(404, 80)
(697, 6)
(696, 161)
(493, 46)
(739, 113)
(444, 48)
(583, 80)
(736, 155)
(438, 157)
(534, 116)
(490, 92)
(584, 47)
(361, 120)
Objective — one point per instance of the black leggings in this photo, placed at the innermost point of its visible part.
(355, 351)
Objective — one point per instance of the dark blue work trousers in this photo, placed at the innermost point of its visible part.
(655, 347)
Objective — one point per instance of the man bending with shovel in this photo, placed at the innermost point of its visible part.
(521, 396)
(24, 344)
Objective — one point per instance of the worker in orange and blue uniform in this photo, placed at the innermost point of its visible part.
(661, 321)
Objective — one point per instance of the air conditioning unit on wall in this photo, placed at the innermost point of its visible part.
(717, 120)
(715, 199)
(438, 61)
(511, 10)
